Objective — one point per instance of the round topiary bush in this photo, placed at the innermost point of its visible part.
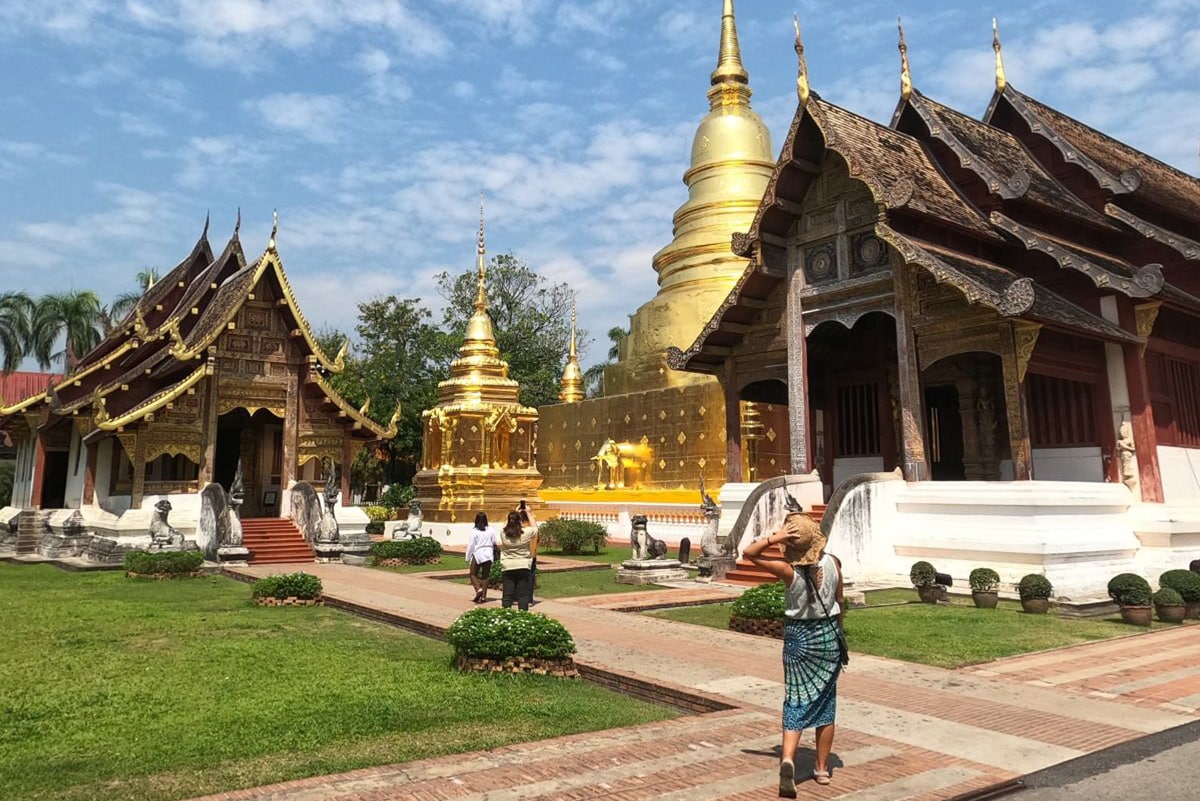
(418, 550)
(1167, 597)
(572, 536)
(303, 586)
(764, 602)
(984, 579)
(922, 574)
(507, 634)
(1035, 586)
(1184, 582)
(1129, 589)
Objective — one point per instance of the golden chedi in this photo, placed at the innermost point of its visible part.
(478, 447)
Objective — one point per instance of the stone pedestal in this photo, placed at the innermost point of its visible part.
(231, 555)
(327, 552)
(355, 552)
(650, 571)
(714, 568)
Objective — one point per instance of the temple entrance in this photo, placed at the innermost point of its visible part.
(257, 442)
(54, 486)
(943, 426)
(965, 429)
(766, 440)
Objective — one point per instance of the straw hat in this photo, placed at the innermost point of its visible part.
(805, 543)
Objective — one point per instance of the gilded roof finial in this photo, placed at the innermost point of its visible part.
(572, 377)
(729, 59)
(237, 227)
(573, 353)
(1001, 80)
(207, 220)
(802, 88)
(905, 74)
(274, 231)
(481, 264)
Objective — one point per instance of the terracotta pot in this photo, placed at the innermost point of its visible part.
(1170, 614)
(985, 600)
(1193, 611)
(1137, 615)
(931, 594)
(1035, 606)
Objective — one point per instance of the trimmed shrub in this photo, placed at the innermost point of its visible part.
(1184, 582)
(984, 579)
(508, 633)
(287, 585)
(496, 577)
(922, 574)
(1035, 585)
(374, 528)
(1167, 597)
(764, 602)
(397, 496)
(172, 563)
(419, 548)
(1129, 589)
(572, 536)
(1194, 566)
(378, 514)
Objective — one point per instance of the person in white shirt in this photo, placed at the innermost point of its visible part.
(480, 554)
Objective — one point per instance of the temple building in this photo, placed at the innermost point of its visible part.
(989, 306)
(656, 432)
(215, 368)
(478, 445)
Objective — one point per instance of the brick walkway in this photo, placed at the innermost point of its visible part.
(904, 731)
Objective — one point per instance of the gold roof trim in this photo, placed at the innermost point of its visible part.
(358, 415)
(21, 406)
(149, 406)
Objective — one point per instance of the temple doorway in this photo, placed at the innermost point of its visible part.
(766, 441)
(943, 424)
(965, 427)
(256, 441)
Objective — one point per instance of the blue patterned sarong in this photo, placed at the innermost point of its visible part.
(811, 664)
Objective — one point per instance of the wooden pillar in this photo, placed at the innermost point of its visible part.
(291, 435)
(913, 460)
(1014, 403)
(733, 427)
(138, 458)
(208, 432)
(39, 470)
(347, 459)
(799, 406)
(1145, 437)
(89, 473)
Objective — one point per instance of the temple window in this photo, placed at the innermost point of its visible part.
(858, 420)
(1175, 395)
(1061, 412)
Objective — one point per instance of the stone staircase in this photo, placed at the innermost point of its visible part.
(746, 573)
(274, 540)
(31, 527)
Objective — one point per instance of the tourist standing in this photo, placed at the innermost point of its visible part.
(480, 552)
(812, 640)
(517, 543)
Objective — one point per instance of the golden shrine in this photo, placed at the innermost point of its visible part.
(659, 429)
(478, 447)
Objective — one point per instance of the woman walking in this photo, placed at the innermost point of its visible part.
(517, 544)
(480, 553)
(812, 640)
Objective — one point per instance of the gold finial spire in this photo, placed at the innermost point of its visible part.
(573, 327)
(572, 377)
(274, 231)
(481, 264)
(802, 88)
(729, 59)
(905, 75)
(1001, 80)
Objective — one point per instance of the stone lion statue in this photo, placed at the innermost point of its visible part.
(710, 546)
(642, 544)
(411, 527)
(162, 536)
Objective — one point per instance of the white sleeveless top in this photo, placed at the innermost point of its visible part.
(801, 605)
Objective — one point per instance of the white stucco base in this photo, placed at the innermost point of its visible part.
(1180, 469)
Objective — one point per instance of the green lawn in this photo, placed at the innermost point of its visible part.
(574, 583)
(944, 636)
(611, 554)
(450, 561)
(120, 689)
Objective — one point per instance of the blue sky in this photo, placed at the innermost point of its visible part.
(372, 125)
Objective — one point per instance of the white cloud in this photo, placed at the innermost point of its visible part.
(316, 118)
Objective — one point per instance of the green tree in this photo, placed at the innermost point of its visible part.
(16, 319)
(531, 318)
(593, 377)
(72, 317)
(8, 468)
(123, 304)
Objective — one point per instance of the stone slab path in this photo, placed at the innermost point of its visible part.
(904, 731)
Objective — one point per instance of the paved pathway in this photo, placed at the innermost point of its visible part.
(904, 731)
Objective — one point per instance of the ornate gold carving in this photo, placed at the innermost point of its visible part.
(1145, 315)
(1025, 337)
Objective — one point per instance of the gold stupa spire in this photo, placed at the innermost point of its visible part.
(481, 264)
(906, 86)
(729, 61)
(572, 378)
(1001, 79)
(802, 89)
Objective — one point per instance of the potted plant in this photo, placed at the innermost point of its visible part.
(985, 584)
(1169, 606)
(1035, 591)
(1132, 594)
(924, 578)
(1187, 584)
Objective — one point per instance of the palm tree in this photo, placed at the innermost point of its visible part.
(124, 303)
(16, 316)
(593, 377)
(71, 317)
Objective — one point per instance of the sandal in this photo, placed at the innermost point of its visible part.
(787, 779)
(821, 776)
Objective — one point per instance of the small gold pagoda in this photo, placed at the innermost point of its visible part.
(478, 448)
(572, 377)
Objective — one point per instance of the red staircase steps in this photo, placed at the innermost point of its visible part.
(746, 573)
(274, 541)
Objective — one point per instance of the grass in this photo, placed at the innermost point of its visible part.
(611, 554)
(119, 689)
(576, 583)
(944, 636)
(450, 561)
